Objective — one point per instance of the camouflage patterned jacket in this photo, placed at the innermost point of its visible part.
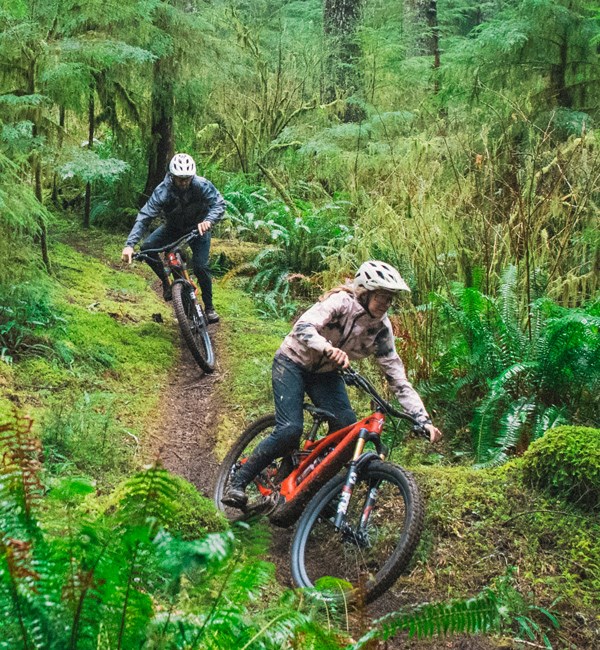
(342, 321)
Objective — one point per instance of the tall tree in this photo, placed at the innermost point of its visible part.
(58, 54)
(177, 40)
(162, 110)
(26, 44)
(343, 77)
(548, 46)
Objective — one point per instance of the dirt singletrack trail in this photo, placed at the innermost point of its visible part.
(186, 434)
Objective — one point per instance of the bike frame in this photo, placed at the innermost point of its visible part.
(320, 460)
(174, 260)
(342, 441)
(176, 268)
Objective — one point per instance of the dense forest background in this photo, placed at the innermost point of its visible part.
(457, 141)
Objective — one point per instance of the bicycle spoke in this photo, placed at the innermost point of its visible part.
(351, 554)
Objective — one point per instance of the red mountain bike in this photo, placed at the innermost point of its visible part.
(360, 527)
(188, 310)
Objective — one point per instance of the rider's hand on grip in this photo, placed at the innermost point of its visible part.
(337, 356)
(127, 254)
(433, 433)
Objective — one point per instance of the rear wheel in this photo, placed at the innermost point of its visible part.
(372, 548)
(193, 325)
(266, 483)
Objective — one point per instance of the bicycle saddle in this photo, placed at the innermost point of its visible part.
(318, 413)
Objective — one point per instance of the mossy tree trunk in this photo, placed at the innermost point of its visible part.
(36, 165)
(162, 136)
(343, 77)
(90, 144)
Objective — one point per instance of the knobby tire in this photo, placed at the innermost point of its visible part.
(248, 440)
(365, 565)
(193, 327)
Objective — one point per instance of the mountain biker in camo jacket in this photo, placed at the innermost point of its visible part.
(350, 322)
(186, 201)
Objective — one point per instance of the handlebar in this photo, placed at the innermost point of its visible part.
(354, 378)
(176, 244)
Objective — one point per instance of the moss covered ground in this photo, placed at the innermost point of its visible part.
(93, 385)
(483, 524)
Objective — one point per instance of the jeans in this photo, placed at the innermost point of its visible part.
(290, 381)
(200, 249)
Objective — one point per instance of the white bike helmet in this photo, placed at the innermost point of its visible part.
(182, 165)
(374, 275)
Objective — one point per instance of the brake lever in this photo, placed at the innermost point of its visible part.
(348, 380)
(349, 376)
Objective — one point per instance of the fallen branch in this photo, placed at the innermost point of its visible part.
(283, 193)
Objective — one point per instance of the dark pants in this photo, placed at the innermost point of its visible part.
(200, 249)
(290, 381)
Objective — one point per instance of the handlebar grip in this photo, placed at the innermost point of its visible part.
(420, 430)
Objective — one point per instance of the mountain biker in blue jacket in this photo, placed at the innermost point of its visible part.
(186, 201)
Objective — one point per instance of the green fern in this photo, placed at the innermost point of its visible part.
(477, 615)
(498, 608)
(522, 376)
(20, 469)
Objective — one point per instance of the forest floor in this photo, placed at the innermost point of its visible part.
(185, 439)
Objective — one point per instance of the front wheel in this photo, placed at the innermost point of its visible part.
(193, 325)
(380, 533)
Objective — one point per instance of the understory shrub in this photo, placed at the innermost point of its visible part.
(566, 461)
(26, 312)
(522, 373)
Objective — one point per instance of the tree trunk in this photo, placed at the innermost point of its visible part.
(558, 76)
(37, 172)
(343, 78)
(90, 144)
(432, 22)
(162, 136)
(59, 144)
(36, 167)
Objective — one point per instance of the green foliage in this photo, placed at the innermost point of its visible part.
(480, 520)
(21, 220)
(507, 49)
(528, 379)
(85, 437)
(69, 579)
(26, 312)
(190, 515)
(474, 615)
(455, 173)
(303, 238)
(566, 461)
(304, 235)
(497, 608)
(74, 340)
(89, 167)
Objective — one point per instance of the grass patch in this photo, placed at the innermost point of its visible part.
(93, 387)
